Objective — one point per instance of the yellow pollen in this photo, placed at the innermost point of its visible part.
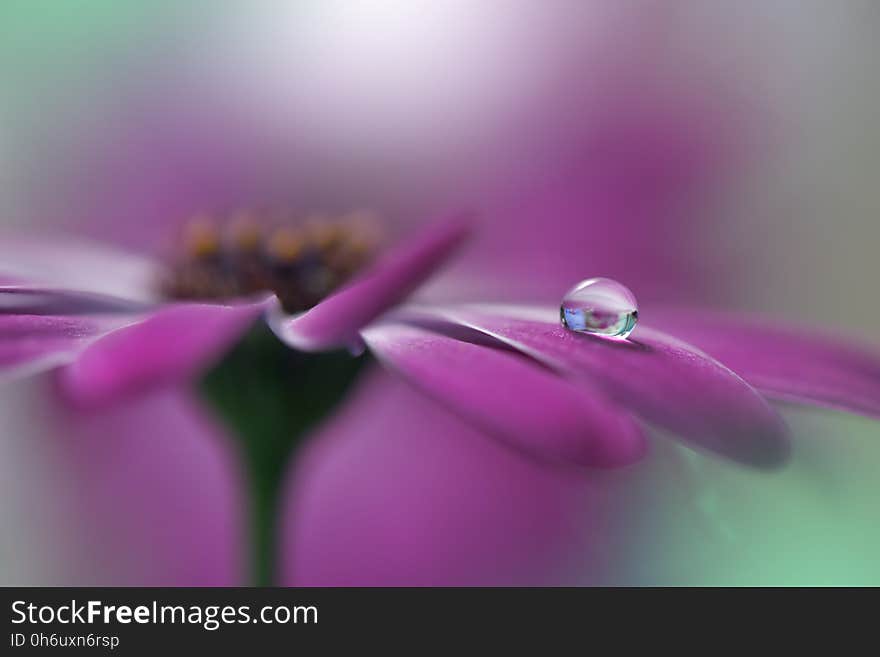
(286, 244)
(201, 236)
(247, 251)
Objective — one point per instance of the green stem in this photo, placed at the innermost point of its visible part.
(265, 505)
(271, 397)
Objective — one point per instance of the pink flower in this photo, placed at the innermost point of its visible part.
(512, 372)
(113, 346)
(395, 488)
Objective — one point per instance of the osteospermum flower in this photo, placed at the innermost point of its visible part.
(376, 482)
(165, 323)
(114, 325)
(116, 328)
(513, 371)
(478, 512)
(707, 379)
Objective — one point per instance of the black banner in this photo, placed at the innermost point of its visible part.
(547, 621)
(122, 621)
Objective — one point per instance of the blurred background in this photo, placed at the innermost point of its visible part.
(705, 153)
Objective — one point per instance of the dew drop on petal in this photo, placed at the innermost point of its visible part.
(601, 306)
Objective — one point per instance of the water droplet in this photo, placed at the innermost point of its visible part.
(601, 306)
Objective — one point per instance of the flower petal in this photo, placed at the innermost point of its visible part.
(785, 362)
(174, 343)
(38, 300)
(142, 493)
(335, 322)
(665, 381)
(35, 343)
(395, 491)
(73, 263)
(511, 397)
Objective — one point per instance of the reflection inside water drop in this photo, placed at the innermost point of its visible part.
(601, 306)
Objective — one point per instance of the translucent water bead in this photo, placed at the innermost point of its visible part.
(601, 306)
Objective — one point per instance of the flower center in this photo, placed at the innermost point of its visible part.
(300, 260)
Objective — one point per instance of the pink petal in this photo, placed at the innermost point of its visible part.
(511, 397)
(335, 322)
(175, 343)
(34, 343)
(786, 362)
(395, 491)
(146, 492)
(663, 380)
(76, 264)
(40, 300)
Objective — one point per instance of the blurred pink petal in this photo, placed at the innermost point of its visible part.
(41, 300)
(786, 362)
(73, 263)
(33, 343)
(509, 397)
(174, 344)
(658, 377)
(144, 493)
(394, 490)
(335, 322)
